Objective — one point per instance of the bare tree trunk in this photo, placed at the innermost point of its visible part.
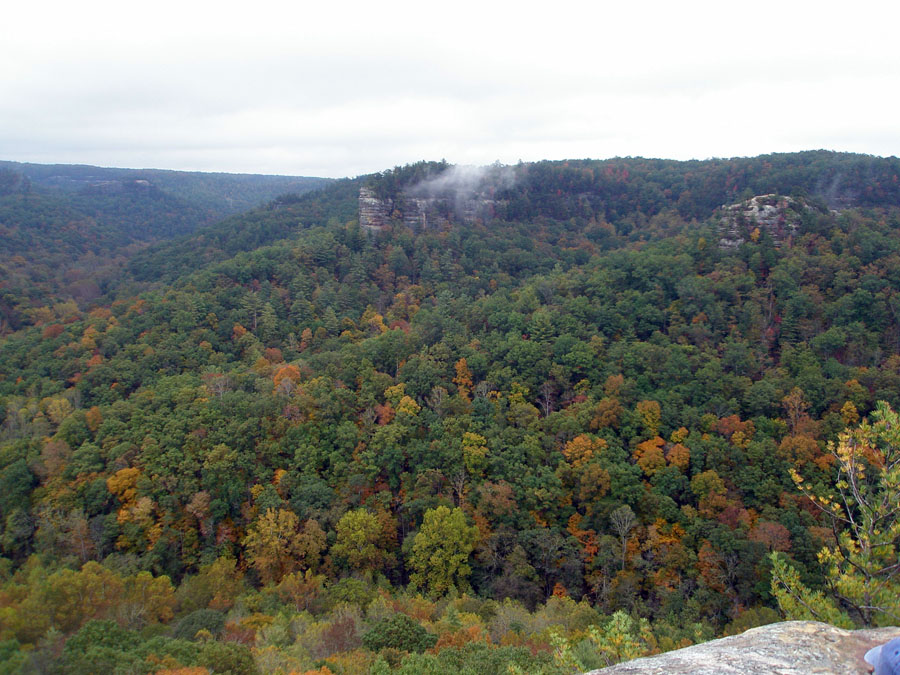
(623, 519)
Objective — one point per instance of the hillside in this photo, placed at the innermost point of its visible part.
(67, 231)
(562, 419)
(586, 194)
(221, 194)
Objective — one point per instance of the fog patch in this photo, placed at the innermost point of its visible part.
(460, 182)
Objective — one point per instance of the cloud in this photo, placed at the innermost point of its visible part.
(354, 88)
(461, 180)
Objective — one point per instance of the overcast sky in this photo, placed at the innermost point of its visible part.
(277, 87)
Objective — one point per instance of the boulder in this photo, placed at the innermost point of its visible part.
(788, 648)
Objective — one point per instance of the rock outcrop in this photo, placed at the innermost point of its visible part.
(421, 213)
(374, 213)
(779, 216)
(788, 648)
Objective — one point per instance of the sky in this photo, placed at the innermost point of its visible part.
(353, 88)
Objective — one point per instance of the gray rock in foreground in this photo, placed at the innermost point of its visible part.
(788, 648)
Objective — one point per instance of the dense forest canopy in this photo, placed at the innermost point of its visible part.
(551, 438)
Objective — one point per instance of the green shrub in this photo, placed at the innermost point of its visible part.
(352, 591)
(480, 659)
(201, 619)
(227, 658)
(399, 632)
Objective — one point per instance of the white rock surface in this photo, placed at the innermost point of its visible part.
(788, 648)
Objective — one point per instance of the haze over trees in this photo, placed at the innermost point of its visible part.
(569, 427)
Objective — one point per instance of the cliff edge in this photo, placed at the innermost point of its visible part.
(788, 648)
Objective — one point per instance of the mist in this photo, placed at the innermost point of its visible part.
(464, 182)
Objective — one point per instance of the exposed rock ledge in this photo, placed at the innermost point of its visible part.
(789, 648)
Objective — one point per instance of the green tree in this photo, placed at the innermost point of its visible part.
(358, 536)
(441, 550)
(98, 646)
(861, 567)
(799, 603)
(399, 632)
(227, 657)
(622, 638)
(200, 620)
(268, 323)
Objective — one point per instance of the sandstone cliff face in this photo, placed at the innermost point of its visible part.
(374, 213)
(788, 648)
(420, 213)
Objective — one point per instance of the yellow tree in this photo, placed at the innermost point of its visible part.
(649, 455)
(72, 597)
(474, 450)
(216, 585)
(650, 415)
(145, 599)
(581, 449)
(463, 379)
(272, 545)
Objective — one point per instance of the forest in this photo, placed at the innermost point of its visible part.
(67, 231)
(583, 429)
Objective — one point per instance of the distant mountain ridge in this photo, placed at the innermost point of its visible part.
(222, 193)
(66, 230)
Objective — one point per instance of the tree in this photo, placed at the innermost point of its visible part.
(622, 638)
(649, 455)
(74, 597)
(649, 413)
(463, 379)
(272, 544)
(799, 603)
(268, 323)
(581, 449)
(399, 632)
(862, 566)
(16, 481)
(216, 586)
(474, 450)
(623, 519)
(208, 620)
(302, 589)
(145, 599)
(227, 657)
(441, 550)
(286, 379)
(100, 645)
(358, 535)
(310, 544)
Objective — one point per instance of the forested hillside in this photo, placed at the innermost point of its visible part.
(549, 439)
(221, 194)
(67, 231)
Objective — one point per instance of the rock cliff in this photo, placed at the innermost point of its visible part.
(374, 213)
(420, 213)
(788, 648)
